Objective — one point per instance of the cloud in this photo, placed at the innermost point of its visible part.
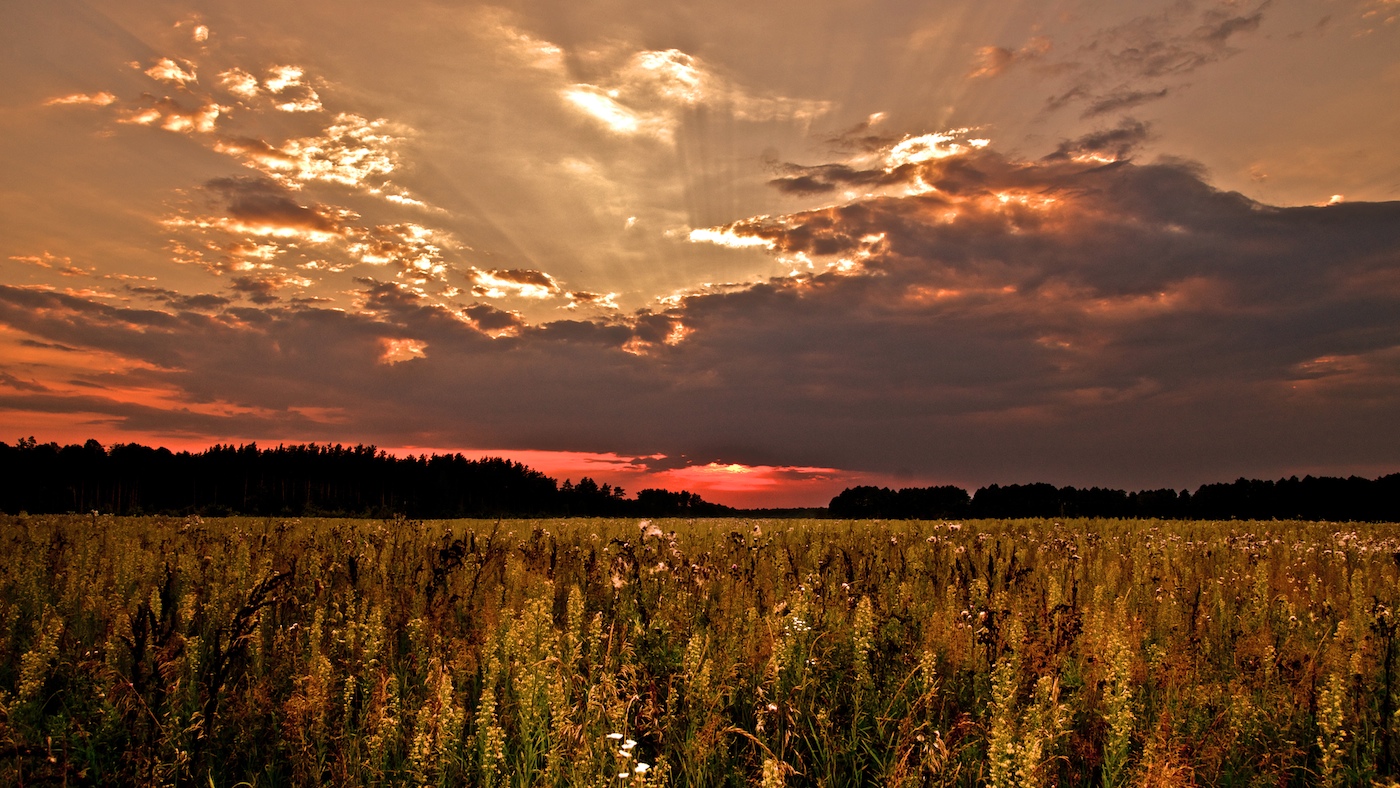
(63, 266)
(1157, 46)
(171, 115)
(650, 93)
(618, 118)
(100, 99)
(201, 302)
(260, 202)
(1379, 12)
(993, 61)
(1105, 146)
(896, 164)
(1144, 59)
(519, 283)
(285, 87)
(1121, 100)
(1116, 323)
(258, 227)
(263, 288)
(353, 151)
(494, 322)
(536, 52)
(825, 178)
(583, 298)
(951, 310)
(169, 70)
(397, 351)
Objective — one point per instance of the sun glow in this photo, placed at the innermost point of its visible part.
(929, 147)
(603, 107)
(256, 229)
(102, 99)
(727, 237)
(737, 478)
(167, 70)
(680, 78)
(522, 284)
(397, 351)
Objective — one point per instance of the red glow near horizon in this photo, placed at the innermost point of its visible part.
(731, 484)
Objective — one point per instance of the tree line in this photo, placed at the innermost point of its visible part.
(356, 481)
(307, 479)
(1308, 498)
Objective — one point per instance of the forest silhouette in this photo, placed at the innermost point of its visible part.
(364, 481)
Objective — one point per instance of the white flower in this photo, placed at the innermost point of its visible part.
(642, 768)
(614, 736)
(629, 744)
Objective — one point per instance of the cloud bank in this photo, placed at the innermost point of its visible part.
(966, 316)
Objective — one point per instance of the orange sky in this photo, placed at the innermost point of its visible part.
(761, 253)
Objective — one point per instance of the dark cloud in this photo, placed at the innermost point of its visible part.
(1121, 100)
(587, 332)
(6, 379)
(1001, 320)
(526, 277)
(48, 345)
(513, 282)
(202, 302)
(583, 298)
(861, 137)
(1115, 143)
(1221, 25)
(262, 201)
(1076, 93)
(1156, 46)
(489, 318)
(258, 289)
(823, 178)
(1147, 58)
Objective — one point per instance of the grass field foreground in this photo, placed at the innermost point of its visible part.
(267, 652)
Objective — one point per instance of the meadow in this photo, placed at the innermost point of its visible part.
(1106, 653)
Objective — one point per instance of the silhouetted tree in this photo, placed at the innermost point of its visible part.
(306, 479)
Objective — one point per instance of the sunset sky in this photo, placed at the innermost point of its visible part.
(762, 251)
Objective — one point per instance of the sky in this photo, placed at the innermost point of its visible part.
(759, 251)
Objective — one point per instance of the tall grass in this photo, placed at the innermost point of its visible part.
(151, 651)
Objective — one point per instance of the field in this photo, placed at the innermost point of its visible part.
(1105, 653)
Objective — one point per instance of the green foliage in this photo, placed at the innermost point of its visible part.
(262, 652)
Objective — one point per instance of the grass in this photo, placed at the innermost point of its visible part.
(265, 652)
